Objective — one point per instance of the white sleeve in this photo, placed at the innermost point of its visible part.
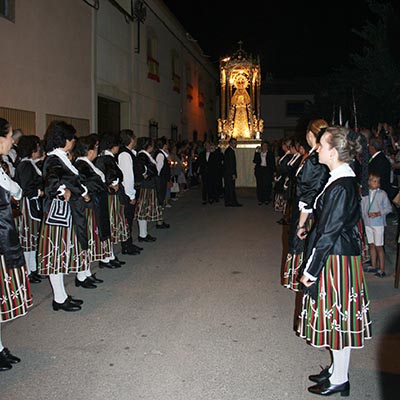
(15, 190)
(159, 162)
(128, 180)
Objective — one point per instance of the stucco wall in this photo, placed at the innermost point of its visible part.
(46, 59)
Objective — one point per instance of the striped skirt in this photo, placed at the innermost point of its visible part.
(28, 228)
(340, 316)
(15, 292)
(60, 252)
(293, 263)
(98, 250)
(118, 224)
(291, 271)
(148, 208)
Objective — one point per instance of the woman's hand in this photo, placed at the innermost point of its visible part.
(67, 194)
(86, 198)
(306, 282)
(302, 233)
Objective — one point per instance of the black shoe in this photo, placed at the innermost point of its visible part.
(33, 278)
(148, 238)
(321, 377)
(87, 284)
(204, 203)
(137, 248)
(6, 355)
(162, 226)
(237, 205)
(115, 263)
(68, 305)
(93, 279)
(130, 251)
(109, 265)
(4, 364)
(76, 301)
(119, 261)
(326, 388)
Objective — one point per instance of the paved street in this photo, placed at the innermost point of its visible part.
(199, 315)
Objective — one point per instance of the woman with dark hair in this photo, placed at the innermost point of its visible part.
(335, 308)
(98, 218)
(148, 207)
(63, 244)
(310, 178)
(107, 163)
(15, 294)
(29, 176)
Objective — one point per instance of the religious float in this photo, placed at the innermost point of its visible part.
(240, 79)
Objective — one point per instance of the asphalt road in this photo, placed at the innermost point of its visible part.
(199, 315)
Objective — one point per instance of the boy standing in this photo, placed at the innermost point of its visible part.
(374, 208)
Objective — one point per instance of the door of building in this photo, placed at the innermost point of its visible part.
(108, 115)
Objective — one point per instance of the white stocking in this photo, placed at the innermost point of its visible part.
(112, 255)
(341, 362)
(88, 272)
(142, 228)
(57, 284)
(81, 276)
(30, 259)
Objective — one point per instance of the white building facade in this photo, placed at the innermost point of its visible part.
(105, 65)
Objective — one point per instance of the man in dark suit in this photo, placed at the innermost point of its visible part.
(230, 175)
(380, 165)
(264, 169)
(208, 165)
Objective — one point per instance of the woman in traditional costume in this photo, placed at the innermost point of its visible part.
(98, 218)
(147, 207)
(15, 295)
(335, 308)
(107, 163)
(63, 244)
(29, 176)
(311, 177)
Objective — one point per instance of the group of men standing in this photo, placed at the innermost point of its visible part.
(218, 174)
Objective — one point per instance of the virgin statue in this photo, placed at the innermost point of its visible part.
(241, 105)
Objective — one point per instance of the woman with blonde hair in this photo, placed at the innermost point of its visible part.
(335, 306)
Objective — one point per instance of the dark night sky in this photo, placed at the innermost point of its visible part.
(299, 38)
